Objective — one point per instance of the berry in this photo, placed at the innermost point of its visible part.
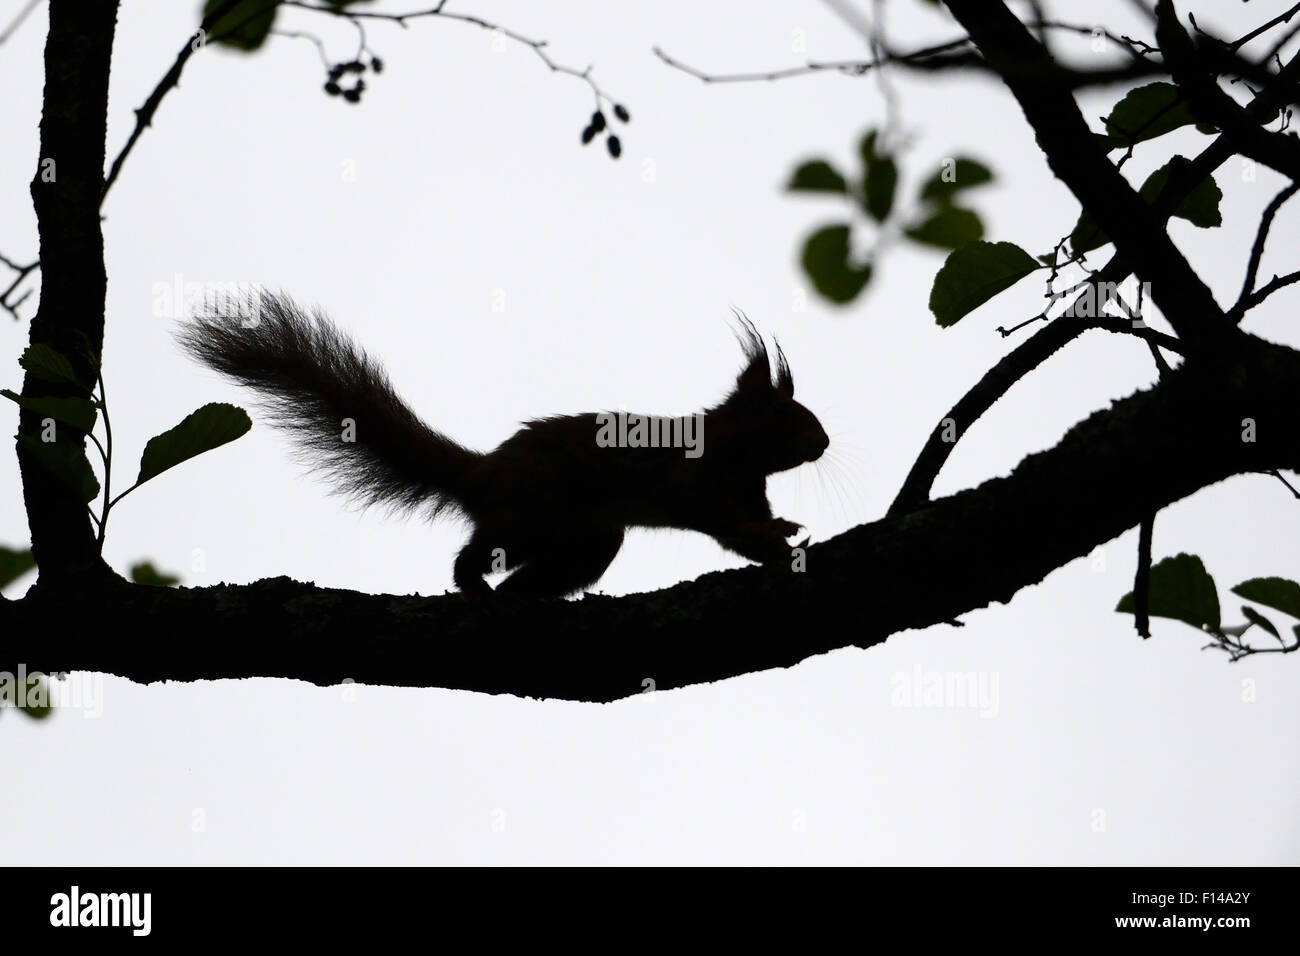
(332, 88)
(598, 121)
(621, 112)
(588, 135)
(615, 147)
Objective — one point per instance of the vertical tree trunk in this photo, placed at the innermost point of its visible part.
(66, 191)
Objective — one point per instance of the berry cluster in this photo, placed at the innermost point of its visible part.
(599, 125)
(339, 70)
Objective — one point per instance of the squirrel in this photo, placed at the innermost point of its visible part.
(551, 503)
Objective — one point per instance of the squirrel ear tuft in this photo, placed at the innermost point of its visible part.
(757, 373)
(784, 380)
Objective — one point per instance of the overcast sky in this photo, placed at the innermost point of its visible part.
(455, 225)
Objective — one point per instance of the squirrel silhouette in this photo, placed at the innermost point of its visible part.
(551, 503)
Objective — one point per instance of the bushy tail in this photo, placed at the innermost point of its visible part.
(310, 378)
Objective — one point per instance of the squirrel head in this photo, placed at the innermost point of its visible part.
(775, 432)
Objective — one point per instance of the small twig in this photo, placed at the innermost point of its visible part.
(171, 79)
(537, 46)
(22, 272)
(299, 35)
(846, 67)
(1277, 20)
(1139, 49)
(1257, 250)
(1290, 487)
(17, 21)
(1263, 292)
(1006, 332)
(1142, 579)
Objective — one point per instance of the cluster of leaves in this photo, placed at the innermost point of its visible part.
(598, 124)
(339, 71)
(1181, 589)
(935, 219)
(976, 271)
(209, 427)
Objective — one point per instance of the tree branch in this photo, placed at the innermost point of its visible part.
(1072, 153)
(70, 318)
(1211, 105)
(909, 571)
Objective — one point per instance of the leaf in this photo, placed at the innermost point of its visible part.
(817, 175)
(1145, 113)
(1259, 620)
(1277, 593)
(880, 179)
(826, 261)
(47, 364)
(1180, 588)
(67, 462)
(202, 430)
(974, 274)
(77, 412)
(948, 227)
(1200, 207)
(962, 173)
(144, 572)
(246, 26)
(14, 564)
(35, 700)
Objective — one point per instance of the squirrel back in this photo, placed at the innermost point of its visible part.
(551, 502)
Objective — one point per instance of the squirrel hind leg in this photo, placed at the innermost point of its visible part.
(472, 563)
(570, 564)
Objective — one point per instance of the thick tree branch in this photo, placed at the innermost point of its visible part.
(1072, 153)
(65, 192)
(910, 571)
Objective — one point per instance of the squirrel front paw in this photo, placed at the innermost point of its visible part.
(783, 528)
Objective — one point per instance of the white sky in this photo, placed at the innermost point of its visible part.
(617, 283)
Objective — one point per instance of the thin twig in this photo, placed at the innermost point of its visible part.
(171, 79)
(1264, 291)
(1279, 19)
(537, 46)
(1257, 250)
(17, 21)
(1142, 578)
(1290, 487)
(847, 67)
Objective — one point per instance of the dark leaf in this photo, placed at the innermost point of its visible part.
(826, 261)
(948, 227)
(817, 175)
(1180, 588)
(974, 274)
(209, 427)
